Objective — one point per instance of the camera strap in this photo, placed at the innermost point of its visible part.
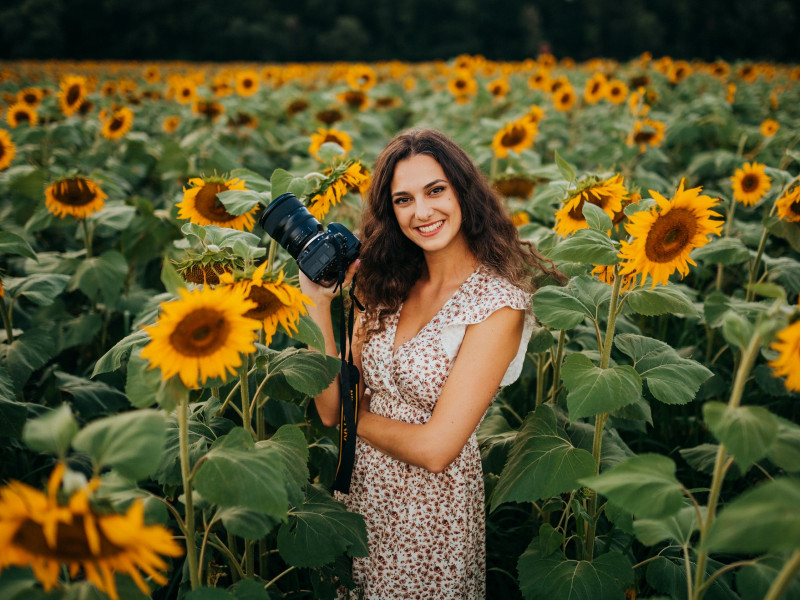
(349, 379)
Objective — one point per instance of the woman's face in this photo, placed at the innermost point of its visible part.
(425, 204)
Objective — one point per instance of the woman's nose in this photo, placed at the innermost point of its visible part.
(423, 209)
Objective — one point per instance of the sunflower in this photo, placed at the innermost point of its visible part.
(329, 135)
(498, 88)
(203, 273)
(31, 96)
(201, 206)
(788, 206)
(202, 335)
(387, 102)
(277, 303)
(329, 116)
(185, 90)
(678, 71)
(719, 69)
(608, 195)
(605, 273)
(7, 149)
(76, 196)
(354, 99)
(595, 88)
(517, 136)
(730, 93)
(52, 538)
(361, 77)
(462, 84)
(636, 103)
(539, 80)
(646, 132)
(21, 113)
(750, 183)
(72, 93)
(246, 83)
(616, 91)
(152, 74)
(747, 72)
(520, 218)
(244, 119)
(109, 88)
(769, 127)
(339, 180)
(171, 123)
(207, 108)
(564, 98)
(117, 124)
(664, 236)
(514, 186)
(788, 345)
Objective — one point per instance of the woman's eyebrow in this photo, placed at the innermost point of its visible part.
(426, 186)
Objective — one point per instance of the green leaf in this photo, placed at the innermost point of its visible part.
(762, 519)
(785, 451)
(605, 578)
(236, 473)
(644, 485)
(254, 181)
(748, 432)
(6, 386)
(716, 307)
(141, 383)
(173, 282)
(307, 371)
(667, 574)
(91, 398)
(101, 277)
(588, 247)
(678, 527)
(290, 444)
(320, 530)
(566, 169)
(703, 458)
(112, 359)
(550, 539)
(115, 216)
(542, 463)
(670, 378)
(209, 593)
(279, 182)
(541, 340)
(12, 417)
(39, 288)
(736, 329)
(246, 523)
(11, 243)
(239, 202)
(27, 353)
(597, 218)
(593, 390)
(723, 251)
(309, 333)
(52, 432)
(131, 443)
(328, 151)
(660, 300)
(565, 307)
(753, 581)
(300, 186)
(201, 436)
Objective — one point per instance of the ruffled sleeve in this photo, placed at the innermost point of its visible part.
(486, 294)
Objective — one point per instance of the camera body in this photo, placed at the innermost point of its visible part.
(319, 254)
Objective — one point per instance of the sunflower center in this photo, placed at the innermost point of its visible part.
(513, 136)
(247, 83)
(200, 333)
(595, 88)
(643, 136)
(750, 182)
(72, 543)
(461, 84)
(208, 205)
(670, 235)
(73, 94)
(22, 115)
(116, 124)
(594, 198)
(30, 98)
(268, 303)
(794, 207)
(74, 192)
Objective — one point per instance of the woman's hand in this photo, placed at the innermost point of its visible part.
(321, 295)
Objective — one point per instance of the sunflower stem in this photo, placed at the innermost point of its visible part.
(557, 364)
(273, 246)
(720, 464)
(244, 388)
(87, 238)
(6, 321)
(493, 167)
(728, 223)
(540, 377)
(183, 440)
(784, 578)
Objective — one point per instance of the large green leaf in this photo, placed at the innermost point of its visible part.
(236, 473)
(290, 443)
(307, 371)
(279, 182)
(762, 519)
(753, 581)
(785, 451)
(670, 378)
(593, 390)
(131, 442)
(27, 353)
(12, 417)
(101, 277)
(748, 432)
(586, 246)
(11, 243)
(678, 528)
(667, 574)
(320, 530)
(247, 523)
(52, 432)
(91, 398)
(112, 359)
(141, 383)
(605, 578)
(660, 300)
(716, 306)
(597, 218)
(724, 251)
(565, 307)
(239, 202)
(542, 462)
(644, 485)
(309, 333)
(39, 288)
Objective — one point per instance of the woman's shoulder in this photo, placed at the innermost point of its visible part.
(490, 291)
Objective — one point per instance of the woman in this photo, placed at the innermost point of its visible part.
(446, 285)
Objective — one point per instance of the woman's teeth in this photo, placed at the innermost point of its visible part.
(431, 227)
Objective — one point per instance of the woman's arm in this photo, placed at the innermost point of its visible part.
(485, 354)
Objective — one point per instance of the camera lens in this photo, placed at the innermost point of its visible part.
(288, 222)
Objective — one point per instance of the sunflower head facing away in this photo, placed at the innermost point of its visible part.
(750, 183)
(664, 236)
(200, 204)
(7, 149)
(515, 186)
(517, 136)
(77, 196)
(608, 195)
(202, 335)
(55, 538)
(605, 273)
(340, 179)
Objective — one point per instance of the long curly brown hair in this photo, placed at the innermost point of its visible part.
(391, 263)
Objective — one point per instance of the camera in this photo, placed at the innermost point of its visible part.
(319, 254)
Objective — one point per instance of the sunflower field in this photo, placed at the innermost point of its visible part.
(157, 438)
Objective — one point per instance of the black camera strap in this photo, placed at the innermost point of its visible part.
(349, 380)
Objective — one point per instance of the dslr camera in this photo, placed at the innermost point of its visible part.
(319, 254)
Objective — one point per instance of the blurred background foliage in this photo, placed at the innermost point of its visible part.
(413, 30)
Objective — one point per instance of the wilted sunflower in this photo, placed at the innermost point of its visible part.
(296, 106)
(517, 136)
(329, 116)
(605, 273)
(646, 132)
(31, 96)
(769, 127)
(72, 93)
(514, 186)
(340, 179)
(277, 303)
(595, 88)
(354, 99)
(37, 531)
(329, 135)
(788, 344)
(665, 235)
(564, 98)
(21, 113)
(246, 83)
(361, 77)
(117, 124)
(616, 91)
(171, 123)
(200, 204)
(202, 335)
(7, 149)
(76, 196)
(788, 206)
(607, 195)
(750, 183)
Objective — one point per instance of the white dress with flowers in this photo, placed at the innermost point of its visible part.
(426, 531)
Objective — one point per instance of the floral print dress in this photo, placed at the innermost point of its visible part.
(426, 531)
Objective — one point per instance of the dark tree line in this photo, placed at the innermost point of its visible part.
(412, 30)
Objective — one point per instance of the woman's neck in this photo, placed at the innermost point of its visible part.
(444, 269)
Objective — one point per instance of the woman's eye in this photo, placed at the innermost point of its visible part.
(437, 190)
(400, 200)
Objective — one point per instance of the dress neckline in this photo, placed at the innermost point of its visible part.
(396, 318)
